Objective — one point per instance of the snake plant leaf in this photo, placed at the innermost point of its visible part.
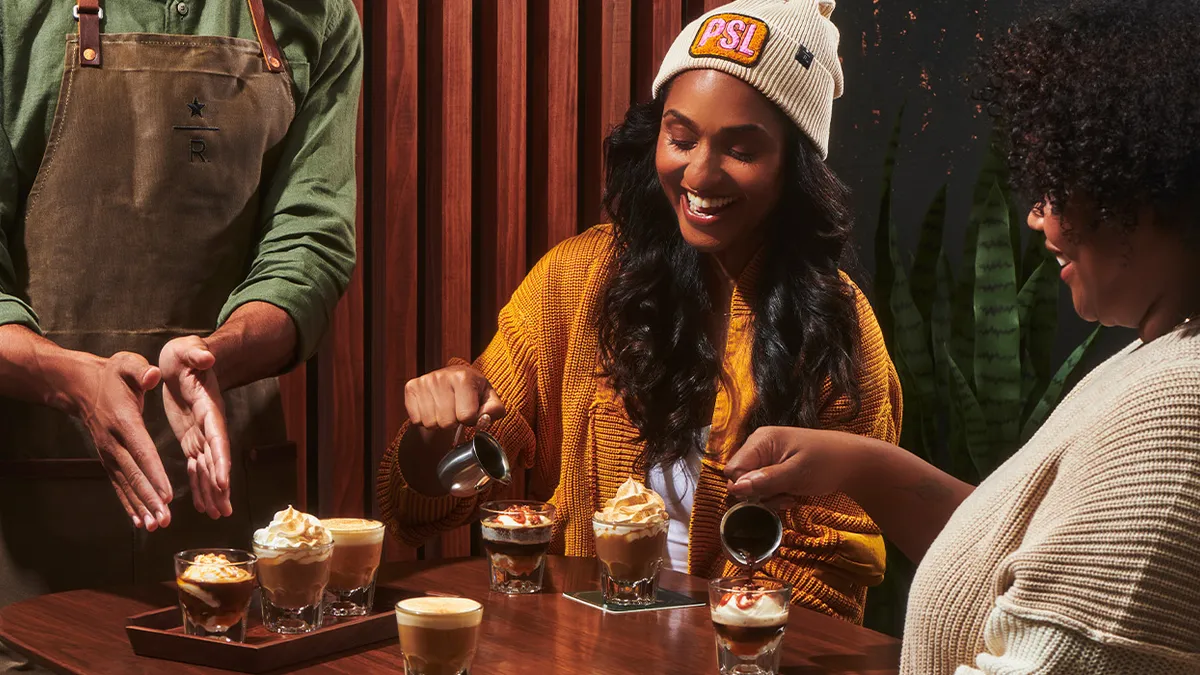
(914, 435)
(997, 324)
(911, 335)
(939, 324)
(884, 236)
(1041, 285)
(962, 303)
(979, 440)
(1054, 390)
(929, 248)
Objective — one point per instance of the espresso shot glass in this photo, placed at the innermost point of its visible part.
(215, 587)
(631, 556)
(516, 536)
(293, 583)
(749, 618)
(357, 550)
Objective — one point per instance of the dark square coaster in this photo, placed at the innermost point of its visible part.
(665, 599)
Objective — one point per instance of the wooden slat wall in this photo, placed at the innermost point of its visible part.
(480, 147)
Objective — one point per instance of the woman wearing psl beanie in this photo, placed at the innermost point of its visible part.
(711, 306)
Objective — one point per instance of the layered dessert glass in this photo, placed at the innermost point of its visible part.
(750, 617)
(215, 588)
(631, 540)
(294, 555)
(516, 535)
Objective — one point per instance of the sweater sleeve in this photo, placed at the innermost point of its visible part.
(510, 364)
(1111, 552)
(1018, 646)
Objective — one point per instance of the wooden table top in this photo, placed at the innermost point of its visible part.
(83, 632)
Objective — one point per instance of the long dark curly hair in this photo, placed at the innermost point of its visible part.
(1099, 100)
(654, 346)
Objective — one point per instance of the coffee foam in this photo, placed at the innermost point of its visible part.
(766, 611)
(354, 531)
(439, 613)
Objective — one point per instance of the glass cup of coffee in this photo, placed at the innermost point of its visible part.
(357, 548)
(438, 635)
(215, 588)
(516, 535)
(749, 617)
(293, 586)
(631, 555)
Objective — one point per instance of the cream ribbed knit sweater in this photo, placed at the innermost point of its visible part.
(1081, 554)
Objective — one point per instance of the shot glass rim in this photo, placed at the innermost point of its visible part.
(378, 524)
(635, 526)
(784, 588)
(477, 608)
(250, 555)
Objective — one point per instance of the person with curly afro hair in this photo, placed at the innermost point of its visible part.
(1081, 554)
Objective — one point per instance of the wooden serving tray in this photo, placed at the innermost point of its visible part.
(159, 634)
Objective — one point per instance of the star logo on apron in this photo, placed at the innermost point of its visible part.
(196, 107)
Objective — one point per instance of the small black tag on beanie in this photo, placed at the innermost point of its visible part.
(805, 57)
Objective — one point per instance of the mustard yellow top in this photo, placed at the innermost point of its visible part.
(566, 424)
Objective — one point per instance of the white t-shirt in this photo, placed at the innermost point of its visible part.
(676, 484)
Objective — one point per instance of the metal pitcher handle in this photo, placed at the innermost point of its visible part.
(482, 424)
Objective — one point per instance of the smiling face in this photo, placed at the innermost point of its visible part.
(720, 155)
(1138, 278)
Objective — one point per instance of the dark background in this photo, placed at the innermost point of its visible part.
(921, 54)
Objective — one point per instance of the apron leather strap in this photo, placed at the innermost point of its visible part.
(266, 36)
(88, 14)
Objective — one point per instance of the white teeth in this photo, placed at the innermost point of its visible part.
(1062, 262)
(698, 203)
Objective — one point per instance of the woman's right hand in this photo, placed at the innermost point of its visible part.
(451, 396)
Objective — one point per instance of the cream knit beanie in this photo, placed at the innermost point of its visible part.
(786, 49)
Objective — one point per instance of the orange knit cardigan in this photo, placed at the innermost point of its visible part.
(568, 426)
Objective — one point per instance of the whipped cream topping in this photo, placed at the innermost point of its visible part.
(292, 529)
(215, 568)
(748, 608)
(634, 503)
(519, 516)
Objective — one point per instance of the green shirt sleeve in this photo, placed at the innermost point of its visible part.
(303, 261)
(12, 308)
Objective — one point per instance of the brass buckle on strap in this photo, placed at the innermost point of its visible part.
(99, 12)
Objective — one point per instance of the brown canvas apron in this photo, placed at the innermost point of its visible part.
(142, 220)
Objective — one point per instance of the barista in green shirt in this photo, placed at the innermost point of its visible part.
(177, 203)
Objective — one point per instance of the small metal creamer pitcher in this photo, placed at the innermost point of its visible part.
(471, 466)
(751, 534)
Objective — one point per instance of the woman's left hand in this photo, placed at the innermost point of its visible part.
(790, 461)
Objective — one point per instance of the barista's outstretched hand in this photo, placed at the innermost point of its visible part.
(194, 406)
(110, 401)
